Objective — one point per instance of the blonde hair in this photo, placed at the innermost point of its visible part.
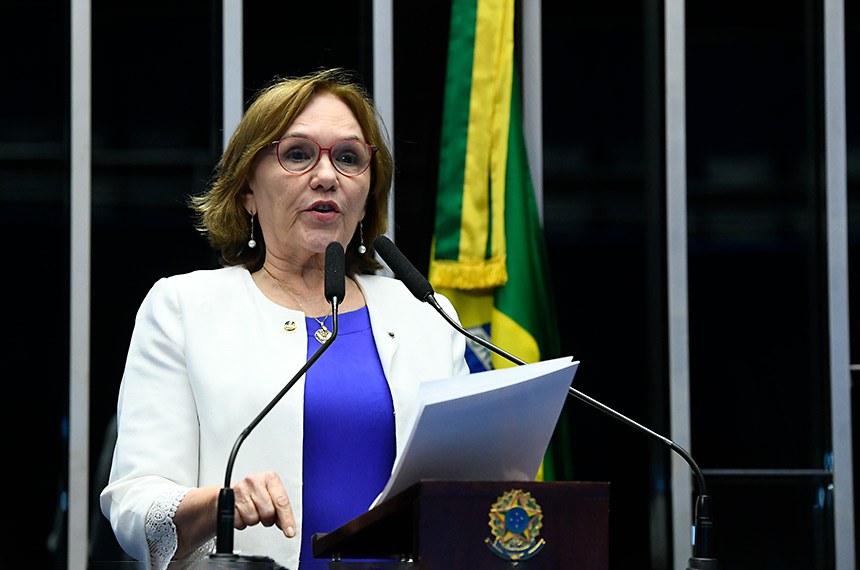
(221, 215)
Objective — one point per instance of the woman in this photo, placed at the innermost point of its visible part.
(306, 166)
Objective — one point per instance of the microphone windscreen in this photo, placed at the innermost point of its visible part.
(335, 272)
(403, 268)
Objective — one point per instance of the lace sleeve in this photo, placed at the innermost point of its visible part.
(161, 532)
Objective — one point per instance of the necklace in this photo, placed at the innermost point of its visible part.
(322, 334)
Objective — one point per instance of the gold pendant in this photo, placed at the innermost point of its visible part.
(322, 334)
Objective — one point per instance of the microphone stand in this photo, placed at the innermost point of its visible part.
(421, 288)
(702, 558)
(223, 555)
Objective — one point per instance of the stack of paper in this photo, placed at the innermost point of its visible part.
(488, 426)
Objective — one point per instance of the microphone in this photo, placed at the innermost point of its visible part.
(335, 274)
(335, 291)
(421, 288)
(423, 291)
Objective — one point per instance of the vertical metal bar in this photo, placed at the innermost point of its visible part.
(232, 70)
(532, 78)
(79, 321)
(837, 280)
(383, 81)
(676, 237)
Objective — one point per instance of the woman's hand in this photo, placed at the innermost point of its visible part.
(259, 498)
(262, 499)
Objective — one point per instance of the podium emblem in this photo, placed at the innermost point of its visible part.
(515, 523)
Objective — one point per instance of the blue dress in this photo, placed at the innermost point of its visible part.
(349, 442)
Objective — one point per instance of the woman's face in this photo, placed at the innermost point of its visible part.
(300, 214)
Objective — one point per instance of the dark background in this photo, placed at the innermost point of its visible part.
(756, 251)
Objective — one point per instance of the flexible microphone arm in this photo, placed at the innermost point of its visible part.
(422, 289)
(335, 290)
(704, 523)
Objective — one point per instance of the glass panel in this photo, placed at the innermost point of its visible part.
(420, 34)
(297, 39)
(156, 117)
(757, 276)
(757, 307)
(783, 523)
(34, 214)
(602, 216)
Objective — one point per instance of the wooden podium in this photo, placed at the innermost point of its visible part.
(441, 525)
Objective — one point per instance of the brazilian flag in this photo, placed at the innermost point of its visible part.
(488, 254)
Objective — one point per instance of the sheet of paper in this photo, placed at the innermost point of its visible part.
(488, 426)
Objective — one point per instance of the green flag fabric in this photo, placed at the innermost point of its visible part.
(489, 255)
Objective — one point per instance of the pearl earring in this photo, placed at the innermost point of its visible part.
(252, 243)
(361, 248)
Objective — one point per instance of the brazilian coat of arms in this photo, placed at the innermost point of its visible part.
(515, 523)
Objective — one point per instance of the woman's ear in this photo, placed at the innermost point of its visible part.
(249, 201)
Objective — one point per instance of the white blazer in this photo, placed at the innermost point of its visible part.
(207, 354)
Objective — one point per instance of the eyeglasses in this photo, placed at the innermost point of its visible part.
(299, 155)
